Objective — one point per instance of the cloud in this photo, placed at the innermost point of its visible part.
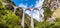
(36, 15)
(39, 3)
(22, 5)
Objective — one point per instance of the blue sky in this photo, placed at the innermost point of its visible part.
(25, 2)
(30, 4)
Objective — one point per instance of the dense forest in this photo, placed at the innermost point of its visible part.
(9, 19)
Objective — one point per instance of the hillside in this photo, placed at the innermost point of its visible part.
(52, 13)
(9, 19)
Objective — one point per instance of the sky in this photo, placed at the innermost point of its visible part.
(30, 4)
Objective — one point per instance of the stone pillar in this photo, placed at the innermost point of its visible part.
(32, 23)
(39, 14)
(15, 9)
(22, 23)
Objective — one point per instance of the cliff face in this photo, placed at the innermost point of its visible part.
(52, 4)
(52, 9)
